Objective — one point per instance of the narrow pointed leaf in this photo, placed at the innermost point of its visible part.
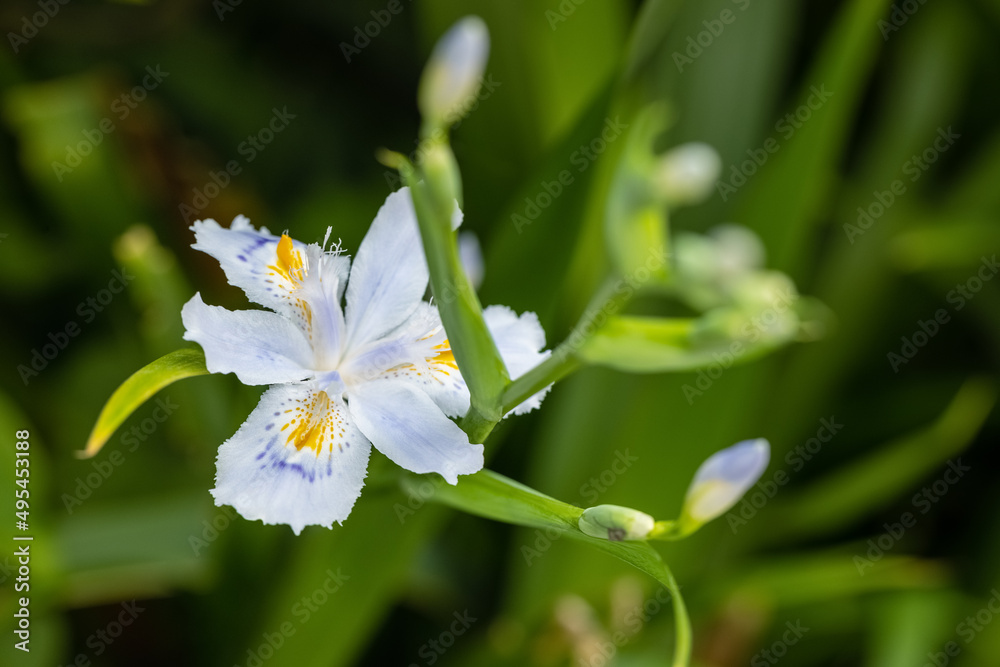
(138, 388)
(857, 490)
(786, 200)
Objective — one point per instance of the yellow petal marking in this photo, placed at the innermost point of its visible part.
(316, 423)
(445, 356)
(290, 267)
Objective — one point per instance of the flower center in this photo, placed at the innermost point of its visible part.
(445, 356)
(289, 264)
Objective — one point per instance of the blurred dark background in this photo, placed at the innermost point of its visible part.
(121, 123)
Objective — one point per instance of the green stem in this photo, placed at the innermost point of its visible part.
(556, 367)
(610, 299)
(461, 313)
(682, 623)
(492, 394)
(666, 530)
(476, 425)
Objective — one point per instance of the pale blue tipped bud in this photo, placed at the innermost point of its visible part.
(454, 72)
(686, 174)
(616, 523)
(723, 479)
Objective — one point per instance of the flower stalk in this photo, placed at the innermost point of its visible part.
(475, 351)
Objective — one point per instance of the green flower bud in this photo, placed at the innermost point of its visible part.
(616, 523)
(686, 174)
(454, 72)
(441, 173)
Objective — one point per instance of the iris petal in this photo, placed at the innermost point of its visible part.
(404, 424)
(258, 346)
(389, 275)
(298, 460)
(520, 340)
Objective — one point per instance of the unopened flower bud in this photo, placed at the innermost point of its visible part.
(616, 523)
(722, 480)
(686, 174)
(454, 72)
(738, 251)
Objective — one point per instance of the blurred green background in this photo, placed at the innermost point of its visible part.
(121, 123)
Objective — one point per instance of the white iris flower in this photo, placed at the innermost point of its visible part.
(378, 372)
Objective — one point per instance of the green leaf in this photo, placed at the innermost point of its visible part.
(123, 549)
(786, 201)
(635, 225)
(641, 344)
(138, 388)
(636, 344)
(821, 576)
(378, 578)
(494, 496)
(910, 624)
(649, 32)
(944, 242)
(858, 489)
